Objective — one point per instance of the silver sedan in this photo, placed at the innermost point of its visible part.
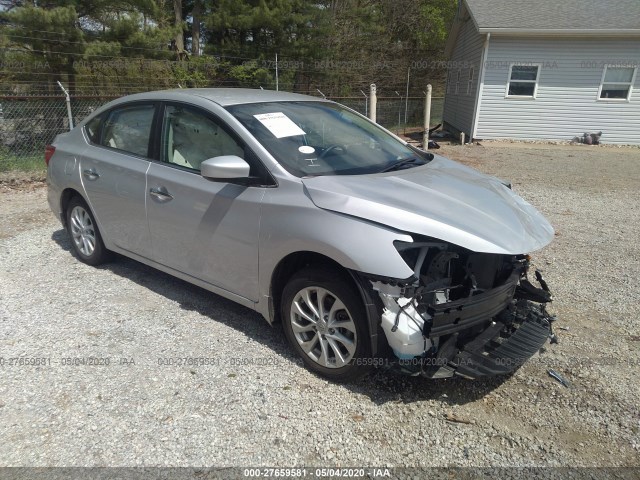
(370, 251)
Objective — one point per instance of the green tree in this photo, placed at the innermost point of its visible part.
(48, 36)
(338, 45)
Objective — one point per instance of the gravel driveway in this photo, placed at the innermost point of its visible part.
(249, 402)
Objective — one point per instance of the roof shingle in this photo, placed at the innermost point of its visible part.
(556, 14)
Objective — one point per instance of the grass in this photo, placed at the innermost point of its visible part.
(29, 163)
(20, 170)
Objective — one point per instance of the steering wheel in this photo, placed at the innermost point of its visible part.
(330, 149)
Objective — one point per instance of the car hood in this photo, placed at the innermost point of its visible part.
(442, 199)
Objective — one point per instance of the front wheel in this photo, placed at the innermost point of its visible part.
(324, 321)
(85, 236)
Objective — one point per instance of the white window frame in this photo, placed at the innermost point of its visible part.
(536, 81)
(629, 84)
(472, 75)
(458, 74)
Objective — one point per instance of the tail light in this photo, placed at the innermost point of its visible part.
(49, 150)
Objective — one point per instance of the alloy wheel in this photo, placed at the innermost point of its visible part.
(323, 327)
(82, 231)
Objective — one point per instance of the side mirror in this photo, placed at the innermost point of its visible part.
(225, 167)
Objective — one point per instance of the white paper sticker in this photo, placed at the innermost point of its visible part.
(279, 124)
(306, 149)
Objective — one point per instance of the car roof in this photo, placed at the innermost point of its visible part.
(227, 96)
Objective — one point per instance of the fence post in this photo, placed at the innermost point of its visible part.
(399, 112)
(427, 118)
(373, 103)
(277, 77)
(406, 102)
(68, 100)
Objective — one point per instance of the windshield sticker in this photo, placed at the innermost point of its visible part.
(306, 149)
(311, 164)
(279, 124)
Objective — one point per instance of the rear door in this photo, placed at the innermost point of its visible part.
(113, 171)
(208, 230)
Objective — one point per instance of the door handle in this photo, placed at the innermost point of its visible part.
(160, 194)
(91, 174)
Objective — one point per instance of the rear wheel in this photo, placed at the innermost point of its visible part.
(324, 321)
(85, 236)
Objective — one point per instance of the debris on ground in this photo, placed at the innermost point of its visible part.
(552, 373)
(450, 417)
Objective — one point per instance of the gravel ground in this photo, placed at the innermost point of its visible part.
(274, 412)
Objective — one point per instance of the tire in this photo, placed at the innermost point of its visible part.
(339, 353)
(86, 240)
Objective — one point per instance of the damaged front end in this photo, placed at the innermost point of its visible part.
(462, 312)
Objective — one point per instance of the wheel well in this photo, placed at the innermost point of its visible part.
(292, 263)
(65, 198)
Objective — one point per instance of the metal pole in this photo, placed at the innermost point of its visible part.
(406, 105)
(277, 79)
(373, 102)
(427, 118)
(399, 111)
(68, 100)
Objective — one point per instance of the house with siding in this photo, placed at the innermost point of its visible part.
(545, 70)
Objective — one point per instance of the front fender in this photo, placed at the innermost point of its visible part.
(291, 223)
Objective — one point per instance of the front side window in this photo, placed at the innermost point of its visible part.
(128, 128)
(189, 137)
(523, 80)
(322, 138)
(617, 83)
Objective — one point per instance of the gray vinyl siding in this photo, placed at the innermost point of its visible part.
(459, 108)
(566, 103)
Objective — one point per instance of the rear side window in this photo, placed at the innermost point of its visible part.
(92, 129)
(128, 129)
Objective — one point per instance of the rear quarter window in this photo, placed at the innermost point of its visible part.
(92, 129)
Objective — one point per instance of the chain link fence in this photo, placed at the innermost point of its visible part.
(29, 123)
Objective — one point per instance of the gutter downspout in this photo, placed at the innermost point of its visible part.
(476, 110)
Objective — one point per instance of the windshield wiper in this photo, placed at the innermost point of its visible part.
(404, 163)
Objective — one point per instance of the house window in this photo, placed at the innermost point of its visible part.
(458, 81)
(617, 83)
(523, 81)
(472, 73)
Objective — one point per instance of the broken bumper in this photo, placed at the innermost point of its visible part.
(460, 315)
(499, 349)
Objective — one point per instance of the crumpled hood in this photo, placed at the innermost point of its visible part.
(443, 200)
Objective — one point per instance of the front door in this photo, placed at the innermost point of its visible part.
(208, 230)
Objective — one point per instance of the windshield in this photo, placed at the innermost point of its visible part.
(321, 138)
